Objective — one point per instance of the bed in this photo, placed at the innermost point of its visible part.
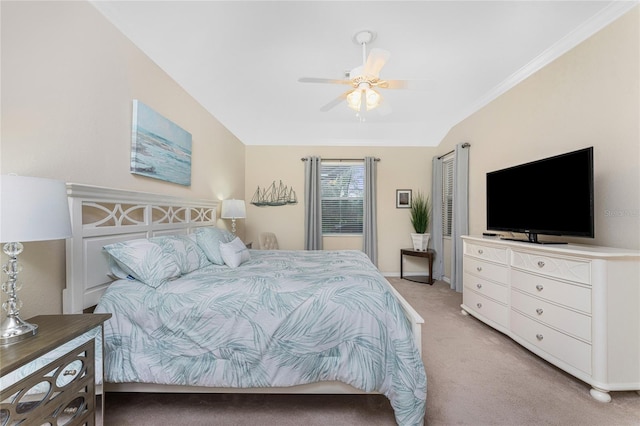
(277, 322)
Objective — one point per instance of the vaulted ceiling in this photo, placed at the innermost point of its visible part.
(242, 59)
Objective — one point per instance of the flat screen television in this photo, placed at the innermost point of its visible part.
(552, 196)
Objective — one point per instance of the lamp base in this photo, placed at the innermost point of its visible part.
(14, 329)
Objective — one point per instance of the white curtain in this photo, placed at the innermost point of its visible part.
(312, 204)
(436, 218)
(370, 223)
(460, 212)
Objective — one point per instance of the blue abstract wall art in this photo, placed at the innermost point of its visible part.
(159, 148)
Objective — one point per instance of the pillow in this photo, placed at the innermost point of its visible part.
(209, 240)
(144, 260)
(186, 252)
(116, 272)
(234, 253)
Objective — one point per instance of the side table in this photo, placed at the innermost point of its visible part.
(429, 254)
(61, 390)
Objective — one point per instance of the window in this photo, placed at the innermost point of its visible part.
(447, 196)
(342, 187)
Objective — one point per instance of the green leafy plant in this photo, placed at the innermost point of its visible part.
(420, 212)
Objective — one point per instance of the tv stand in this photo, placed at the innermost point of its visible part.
(576, 306)
(533, 238)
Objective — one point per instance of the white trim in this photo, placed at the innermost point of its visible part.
(333, 387)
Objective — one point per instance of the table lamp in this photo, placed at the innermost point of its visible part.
(233, 209)
(31, 209)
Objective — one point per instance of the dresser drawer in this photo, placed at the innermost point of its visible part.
(560, 318)
(486, 307)
(559, 292)
(572, 351)
(495, 254)
(486, 270)
(487, 288)
(558, 267)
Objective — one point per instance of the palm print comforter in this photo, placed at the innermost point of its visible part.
(283, 318)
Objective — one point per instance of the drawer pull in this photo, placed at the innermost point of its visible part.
(479, 268)
(480, 251)
(539, 287)
(479, 285)
(70, 372)
(539, 336)
(479, 305)
(539, 311)
(540, 264)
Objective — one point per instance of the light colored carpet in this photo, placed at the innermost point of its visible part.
(475, 376)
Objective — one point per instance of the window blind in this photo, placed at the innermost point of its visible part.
(447, 196)
(342, 187)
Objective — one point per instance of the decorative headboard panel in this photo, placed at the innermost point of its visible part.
(101, 216)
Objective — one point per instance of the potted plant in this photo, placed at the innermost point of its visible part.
(420, 218)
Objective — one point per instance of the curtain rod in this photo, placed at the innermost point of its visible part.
(340, 159)
(464, 145)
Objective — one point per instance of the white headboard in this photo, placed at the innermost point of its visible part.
(101, 216)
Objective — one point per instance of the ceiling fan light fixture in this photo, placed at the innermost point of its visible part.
(371, 99)
(353, 99)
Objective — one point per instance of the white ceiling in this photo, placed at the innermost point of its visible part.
(241, 60)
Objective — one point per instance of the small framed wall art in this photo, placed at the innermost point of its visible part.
(403, 198)
(159, 148)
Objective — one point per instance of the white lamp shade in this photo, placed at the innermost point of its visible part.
(233, 209)
(33, 209)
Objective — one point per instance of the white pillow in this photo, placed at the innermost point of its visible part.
(144, 260)
(234, 253)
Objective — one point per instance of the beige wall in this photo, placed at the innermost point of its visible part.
(68, 79)
(399, 168)
(588, 97)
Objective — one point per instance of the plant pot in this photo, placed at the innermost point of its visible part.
(420, 241)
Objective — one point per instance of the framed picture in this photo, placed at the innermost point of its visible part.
(159, 148)
(403, 198)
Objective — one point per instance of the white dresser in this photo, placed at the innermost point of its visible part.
(576, 306)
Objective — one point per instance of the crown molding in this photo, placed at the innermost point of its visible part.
(607, 15)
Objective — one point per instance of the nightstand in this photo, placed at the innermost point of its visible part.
(428, 254)
(50, 378)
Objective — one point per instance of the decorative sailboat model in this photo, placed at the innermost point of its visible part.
(274, 195)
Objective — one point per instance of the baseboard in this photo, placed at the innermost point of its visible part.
(404, 274)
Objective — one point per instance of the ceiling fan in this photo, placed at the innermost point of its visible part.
(364, 80)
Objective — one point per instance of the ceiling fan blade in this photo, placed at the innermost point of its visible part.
(356, 72)
(375, 61)
(335, 102)
(322, 80)
(405, 84)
